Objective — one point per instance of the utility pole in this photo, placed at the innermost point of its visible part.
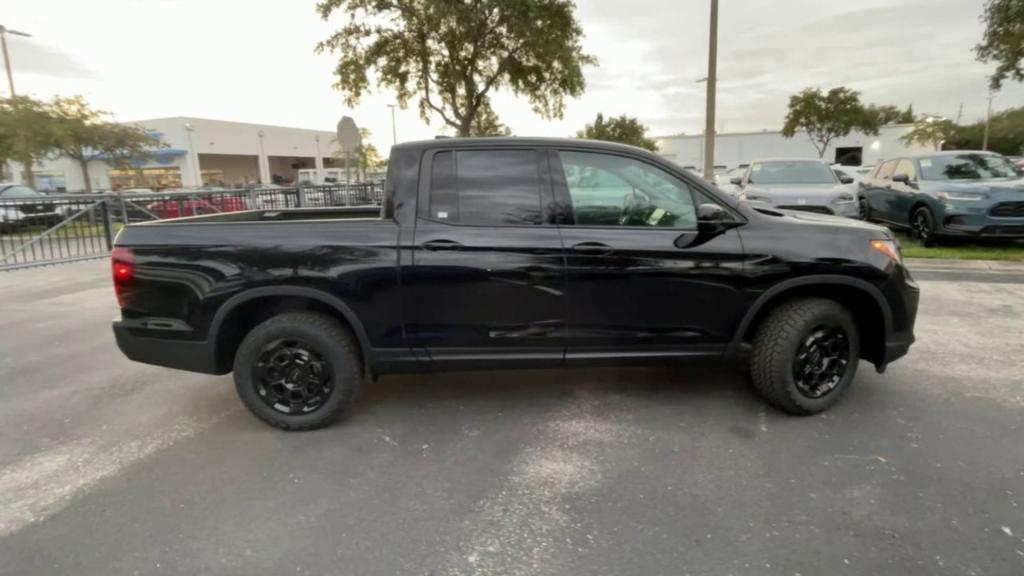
(709, 122)
(959, 113)
(988, 121)
(394, 135)
(4, 31)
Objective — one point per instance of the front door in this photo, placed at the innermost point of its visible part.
(641, 280)
(487, 277)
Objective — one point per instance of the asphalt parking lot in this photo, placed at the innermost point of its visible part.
(110, 467)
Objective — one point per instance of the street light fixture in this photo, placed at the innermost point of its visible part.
(4, 31)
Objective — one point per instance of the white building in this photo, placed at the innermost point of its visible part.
(203, 152)
(857, 149)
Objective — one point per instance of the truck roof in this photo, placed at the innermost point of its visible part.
(483, 142)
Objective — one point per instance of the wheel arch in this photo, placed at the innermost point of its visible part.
(230, 323)
(867, 304)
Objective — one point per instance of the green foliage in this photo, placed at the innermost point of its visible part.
(1006, 134)
(621, 129)
(26, 132)
(450, 54)
(827, 116)
(83, 134)
(933, 133)
(487, 123)
(1003, 42)
(892, 115)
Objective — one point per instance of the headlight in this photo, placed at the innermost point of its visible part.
(888, 247)
(960, 196)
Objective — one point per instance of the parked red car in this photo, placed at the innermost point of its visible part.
(192, 206)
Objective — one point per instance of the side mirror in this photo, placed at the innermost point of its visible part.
(713, 220)
(845, 180)
(901, 178)
(736, 181)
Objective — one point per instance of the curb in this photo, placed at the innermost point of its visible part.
(972, 266)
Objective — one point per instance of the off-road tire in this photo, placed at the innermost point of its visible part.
(331, 340)
(777, 341)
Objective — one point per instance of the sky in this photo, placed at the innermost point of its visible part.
(248, 61)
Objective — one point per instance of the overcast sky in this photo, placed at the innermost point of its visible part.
(254, 62)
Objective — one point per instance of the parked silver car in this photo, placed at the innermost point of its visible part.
(798, 184)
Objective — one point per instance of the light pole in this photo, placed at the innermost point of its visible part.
(264, 161)
(394, 135)
(712, 80)
(4, 31)
(193, 156)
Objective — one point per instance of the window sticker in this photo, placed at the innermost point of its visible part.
(755, 168)
(926, 163)
(656, 216)
(442, 214)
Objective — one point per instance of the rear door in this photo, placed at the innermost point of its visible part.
(487, 279)
(641, 282)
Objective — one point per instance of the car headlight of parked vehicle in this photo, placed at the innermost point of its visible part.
(960, 196)
(844, 197)
(889, 248)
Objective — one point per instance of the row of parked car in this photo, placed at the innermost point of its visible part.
(969, 194)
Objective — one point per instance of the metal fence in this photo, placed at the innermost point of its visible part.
(41, 230)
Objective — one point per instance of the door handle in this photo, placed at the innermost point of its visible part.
(593, 248)
(435, 245)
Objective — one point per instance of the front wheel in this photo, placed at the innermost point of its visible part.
(298, 370)
(922, 227)
(864, 209)
(805, 355)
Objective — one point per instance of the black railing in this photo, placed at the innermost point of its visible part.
(52, 229)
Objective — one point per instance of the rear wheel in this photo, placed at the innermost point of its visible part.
(298, 370)
(805, 355)
(922, 227)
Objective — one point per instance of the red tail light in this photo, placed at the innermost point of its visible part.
(122, 264)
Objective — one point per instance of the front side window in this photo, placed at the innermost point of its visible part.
(885, 170)
(609, 190)
(791, 172)
(968, 167)
(906, 167)
(489, 187)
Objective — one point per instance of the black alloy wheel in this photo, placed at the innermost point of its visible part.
(821, 361)
(291, 377)
(922, 227)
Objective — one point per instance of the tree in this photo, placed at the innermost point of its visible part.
(623, 129)
(826, 117)
(368, 156)
(451, 54)
(1003, 41)
(79, 132)
(931, 133)
(893, 115)
(486, 123)
(1006, 134)
(126, 147)
(26, 132)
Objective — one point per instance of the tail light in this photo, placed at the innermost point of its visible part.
(122, 263)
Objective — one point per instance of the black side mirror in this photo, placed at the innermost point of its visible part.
(901, 178)
(736, 181)
(712, 220)
(845, 180)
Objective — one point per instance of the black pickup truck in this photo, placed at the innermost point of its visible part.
(512, 253)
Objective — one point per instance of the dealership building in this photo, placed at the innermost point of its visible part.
(202, 152)
(731, 150)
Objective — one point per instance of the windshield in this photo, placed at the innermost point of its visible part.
(791, 173)
(967, 167)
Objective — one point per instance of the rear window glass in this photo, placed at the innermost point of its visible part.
(493, 187)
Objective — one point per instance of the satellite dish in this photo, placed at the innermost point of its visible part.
(349, 139)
